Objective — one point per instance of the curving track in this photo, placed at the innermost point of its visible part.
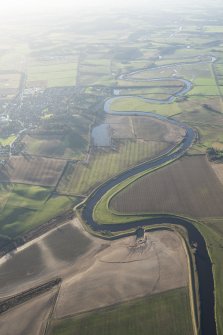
(202, 259)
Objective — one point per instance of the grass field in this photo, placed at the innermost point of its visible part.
(28, 196)
(132, 104)
(10, 80)
(166, 313)
(204, 90)
(188, 187)
(32, 170)
(81, 178)
(5, 191)
(95, 71)
(66, 146)
(53, 74)
(205, 115)
(161, 90)
(7, 140)
(24, 207)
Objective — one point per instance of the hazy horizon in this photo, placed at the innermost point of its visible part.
(18, 7)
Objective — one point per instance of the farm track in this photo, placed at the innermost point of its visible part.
(202, 259)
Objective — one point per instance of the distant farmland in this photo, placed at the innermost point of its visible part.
(32, 170)
(52, 74)
(187, 187)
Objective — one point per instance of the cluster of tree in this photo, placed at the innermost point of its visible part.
(215, 154)
(126, 53)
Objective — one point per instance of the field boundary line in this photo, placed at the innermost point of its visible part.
(20, 298)
(47, 327)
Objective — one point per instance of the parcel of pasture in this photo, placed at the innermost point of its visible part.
(67, 146)
(32, 170)
(80, 178)
(133, 104)
(165, 313)
(25, 207)
(53, 74)
(188, 187)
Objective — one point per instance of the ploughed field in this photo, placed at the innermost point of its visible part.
(30, 317)
(47, 256)
(188, 187)
(97, 275)
(124, 270)
(32, 170)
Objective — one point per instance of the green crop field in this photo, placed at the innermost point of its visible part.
(131, 104)
(24, 207)
(7, 140)
(162, 314)
(67, 146)
(204, 90)
(80, 178)
(61, 74)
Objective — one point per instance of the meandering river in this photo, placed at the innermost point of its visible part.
(202, 259)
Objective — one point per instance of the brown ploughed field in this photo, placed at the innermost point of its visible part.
(32, 170)
(188, 187)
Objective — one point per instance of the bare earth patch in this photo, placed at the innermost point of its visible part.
(152, 129)
(144, 127)
(99, 273)
(125, 271)
(29, 318)
(121, 126)
(54, 254)
(218, 169)
(32, 170)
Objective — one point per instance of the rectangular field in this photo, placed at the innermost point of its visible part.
(53, 74)
(82, 177)
(64, 146)
(27, 207)
(9, 80)
(150, 315)
(32, 170)
(151, 129)
(132, 104)
(188, 187)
